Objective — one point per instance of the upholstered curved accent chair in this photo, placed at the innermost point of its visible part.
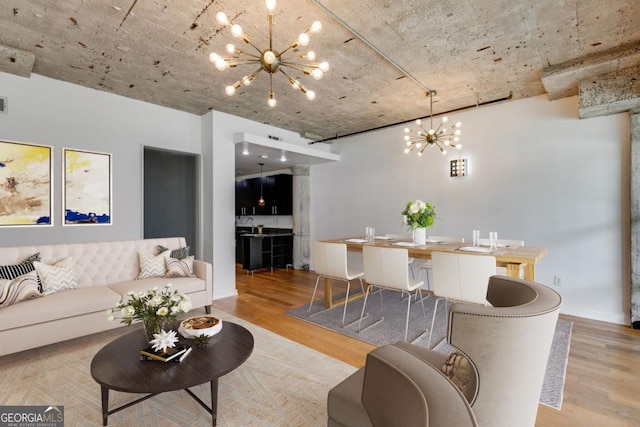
(507, 344)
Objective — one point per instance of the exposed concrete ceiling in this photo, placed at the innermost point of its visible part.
(471, 52)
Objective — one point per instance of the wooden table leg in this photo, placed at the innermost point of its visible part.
(214, 402)
(530, 272)
(328, 295)
(514, 270)
(104, 391)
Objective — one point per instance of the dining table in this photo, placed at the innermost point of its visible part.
(520, 261)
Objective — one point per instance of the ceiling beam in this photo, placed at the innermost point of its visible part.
(610, 93)
(16, 61)
(561, 80)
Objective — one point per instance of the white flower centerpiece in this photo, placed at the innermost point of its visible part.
(154, 308)
(419, 216)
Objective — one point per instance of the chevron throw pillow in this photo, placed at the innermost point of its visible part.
(179, 267)
(19, 289)
(58, 277)
(152, 265)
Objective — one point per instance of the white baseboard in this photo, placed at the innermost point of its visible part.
(617, 318)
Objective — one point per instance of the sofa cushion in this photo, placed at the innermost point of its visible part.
(19, 289)
(184, 285)
(152, 265)
(177, 253)
(179, 267)
(12, 271)
(344, 404)
(70, 303)
(58, 277)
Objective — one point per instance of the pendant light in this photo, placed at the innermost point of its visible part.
(261, 199)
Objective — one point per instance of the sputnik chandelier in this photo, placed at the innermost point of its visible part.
(441, 137)
(269, 60)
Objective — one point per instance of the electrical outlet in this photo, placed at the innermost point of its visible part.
(557, 281)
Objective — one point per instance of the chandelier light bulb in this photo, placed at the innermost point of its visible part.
(221, 64)
(408, 139)
(294, 84)
(324, 66)
(246, 80)
(445, 119)
(457, 132)
(272, 100)
(269, 57)
(419, 122)
(418, 145)
(458, 124)
(459, 146)
(303, 39)
(407, 130)
(222, 19)
(456, 139)
(431, 132)
(317, 73)
(419, 153)
(407, 150)
(316, 27)
(311, 95)
(231, 49)
(271, 5)
(213, 57)
(311, 56)
(236, 31)
(230, 90)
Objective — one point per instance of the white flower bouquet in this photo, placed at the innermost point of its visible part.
(418, 214)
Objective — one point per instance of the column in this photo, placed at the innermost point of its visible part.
(635, 220)
(301, 217)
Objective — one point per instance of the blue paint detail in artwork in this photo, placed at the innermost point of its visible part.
(3, 165)
(44, 220)
(73, 217)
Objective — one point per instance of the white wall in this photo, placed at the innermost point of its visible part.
(536, 172)
(50, 112)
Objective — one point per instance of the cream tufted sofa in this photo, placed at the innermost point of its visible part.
(105, 271)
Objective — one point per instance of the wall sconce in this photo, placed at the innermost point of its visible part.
(458, 167)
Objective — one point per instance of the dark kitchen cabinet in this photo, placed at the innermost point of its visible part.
(277, 191)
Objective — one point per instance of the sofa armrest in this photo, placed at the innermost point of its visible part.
(446, 405)
(204, 270)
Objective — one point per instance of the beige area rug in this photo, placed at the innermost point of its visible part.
(281, 384)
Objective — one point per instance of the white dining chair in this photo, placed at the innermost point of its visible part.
(386, 268)
(330, 261)
(426, 265)
(504, 243)
(410, 259)
(460, 277)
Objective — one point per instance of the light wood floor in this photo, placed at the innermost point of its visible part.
(603, 374)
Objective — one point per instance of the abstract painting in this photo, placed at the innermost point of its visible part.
(87, 187)
(26, 184)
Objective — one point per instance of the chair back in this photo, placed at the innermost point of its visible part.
(330, 259)
(386, 267)
(509, 343)
(462, 277)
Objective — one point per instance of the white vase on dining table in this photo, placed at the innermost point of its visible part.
(420, 236)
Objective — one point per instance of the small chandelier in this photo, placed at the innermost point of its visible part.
(441, 137)
(261, 201)
(269, 60)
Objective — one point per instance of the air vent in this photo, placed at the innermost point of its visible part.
(276, 138)
(3, 105)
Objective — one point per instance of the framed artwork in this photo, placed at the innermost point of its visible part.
(86, 189)
(26, 184)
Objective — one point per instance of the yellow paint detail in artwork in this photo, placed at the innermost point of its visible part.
(74, 162)
(16, 220)
(21, 157)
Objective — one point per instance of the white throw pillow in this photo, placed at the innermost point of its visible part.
(152, 265)
(58, 277)
(180, 267)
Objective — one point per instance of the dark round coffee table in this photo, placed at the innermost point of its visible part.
(117, 366)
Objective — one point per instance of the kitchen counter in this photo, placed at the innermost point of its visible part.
(263, 235)
(266, 250)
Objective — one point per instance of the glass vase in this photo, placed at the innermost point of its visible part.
(152, 326)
